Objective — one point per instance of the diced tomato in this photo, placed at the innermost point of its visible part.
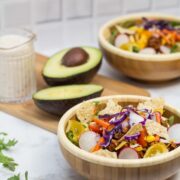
(141, 140)
(157, 138)
(96, 128)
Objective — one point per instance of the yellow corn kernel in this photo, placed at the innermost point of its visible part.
(139, 30)
(163, 41)
(132, 39)
(150, 138)
(139, 148)
(147, 33)
(159, 110)
(143, 41)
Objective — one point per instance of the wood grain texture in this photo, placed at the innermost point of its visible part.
(96, 167)
(150, 71)
(29, 112)
(150, 68)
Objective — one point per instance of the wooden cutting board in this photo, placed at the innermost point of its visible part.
(29, 112)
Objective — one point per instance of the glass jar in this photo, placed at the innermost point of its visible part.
(17, 65)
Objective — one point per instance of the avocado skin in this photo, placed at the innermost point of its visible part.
(59, 107)
(81, 78)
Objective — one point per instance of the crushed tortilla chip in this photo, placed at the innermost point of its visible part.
(155, 104)
(106, 153)
(134, 130)
(112, 107)
(86, 112)
(154, 128)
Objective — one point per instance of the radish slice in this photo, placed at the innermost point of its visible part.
(165, 50)
(88, 140)
(135, 118)
(174, 134)
(128, 153)
(147, 51)
(121, 39)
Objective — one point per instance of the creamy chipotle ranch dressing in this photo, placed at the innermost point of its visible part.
(17, 77)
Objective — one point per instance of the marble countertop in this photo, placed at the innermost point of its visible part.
(37, 150)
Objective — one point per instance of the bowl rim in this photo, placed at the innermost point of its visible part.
(79, 153)
(135, 56)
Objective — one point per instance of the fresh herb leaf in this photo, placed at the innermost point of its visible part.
(175, 48)
(84, 126)
(171, 120)
(175, 23)
(128, 24)
(26, 175)
(114, 33)
(70, 135)
(17, 177)
(7, 162)
(3, 133)
(135, 49)
(9, 144)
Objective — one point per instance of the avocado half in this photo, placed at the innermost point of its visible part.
(57, 100)
(56, 73)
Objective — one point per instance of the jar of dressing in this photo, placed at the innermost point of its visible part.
(17, 66)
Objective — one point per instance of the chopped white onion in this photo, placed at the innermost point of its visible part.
(135, 118)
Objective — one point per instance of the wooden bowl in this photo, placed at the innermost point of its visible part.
(96, 167)
(139, 66)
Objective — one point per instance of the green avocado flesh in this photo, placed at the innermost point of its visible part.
(67, 92)
(55, 69)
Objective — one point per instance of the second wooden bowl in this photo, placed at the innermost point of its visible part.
(96, 167)
(139, 66)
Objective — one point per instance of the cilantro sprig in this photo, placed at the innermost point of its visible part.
(6, 161)
(17, 177)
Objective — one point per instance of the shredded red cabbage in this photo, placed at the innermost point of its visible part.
(107, 137)
(117, 120)
(132, 137)
(159, 24)
(108, 116)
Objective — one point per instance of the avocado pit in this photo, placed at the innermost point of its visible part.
(75, 57)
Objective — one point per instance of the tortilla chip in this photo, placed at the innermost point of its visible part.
(155, 104)
(112, 107)
(86, 112)
(154, 128)
(134, 130)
